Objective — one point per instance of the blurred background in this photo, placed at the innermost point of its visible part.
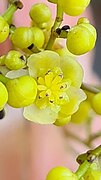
(27, 150)
(96, 9)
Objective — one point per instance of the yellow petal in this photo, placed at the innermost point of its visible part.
(62, 120)
(42, 116)
(72, 70)
(17, 73)
(76, 96)
(40, 63)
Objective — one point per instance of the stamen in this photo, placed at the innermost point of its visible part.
(60, 75)
(60, 97)
(47, 95)
(65, 85)
(61, 87)
(47, 73)
(51, 101)
(52, 88)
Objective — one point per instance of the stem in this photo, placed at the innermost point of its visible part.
(96, 152)
(3, 79)
(82, 169)
(11, 9)
(90, 88)
(57, 23)
(89, 131)
(2, 60)
(92, 138)
(73, 136)
(89, 157)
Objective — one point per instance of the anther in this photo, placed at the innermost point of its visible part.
(60, 75)
(51, 101)
(60, 97)
(65, 85)
(47, 95)
(47, 73)
(61, 87)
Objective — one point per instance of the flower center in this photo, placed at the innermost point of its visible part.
(52, 89)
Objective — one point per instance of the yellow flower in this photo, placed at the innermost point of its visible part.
(58, 81)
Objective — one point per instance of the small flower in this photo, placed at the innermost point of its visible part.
(58, 81)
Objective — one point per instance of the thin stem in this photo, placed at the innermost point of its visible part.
(89, 131)
(87, 159)
(82, 169)
(73, 136)
(86, 142)
(3, 79)
(90, 155)
(90, 88)
(8, 14)
(57, 23)
(96, 152)
(93, 137)
(11, 9)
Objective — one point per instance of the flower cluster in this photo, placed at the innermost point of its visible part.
(38, 74)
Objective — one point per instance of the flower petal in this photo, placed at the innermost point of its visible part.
(76, 96)
(62, 119)
(72, 70)
(41, 62)
(42, 116)
(17, 73)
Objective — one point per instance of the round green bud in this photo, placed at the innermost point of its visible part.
(96, 103)
(81, 38)
(62, 120)
(2, 60)
(14, 60)
(22, 91)
(82, 20)
(93, 175)
(40, 13)
(82, 114)
(61, 173)
(73, 7)
(22, 37)
(38, 37)
(3, 95)
(4, 29)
